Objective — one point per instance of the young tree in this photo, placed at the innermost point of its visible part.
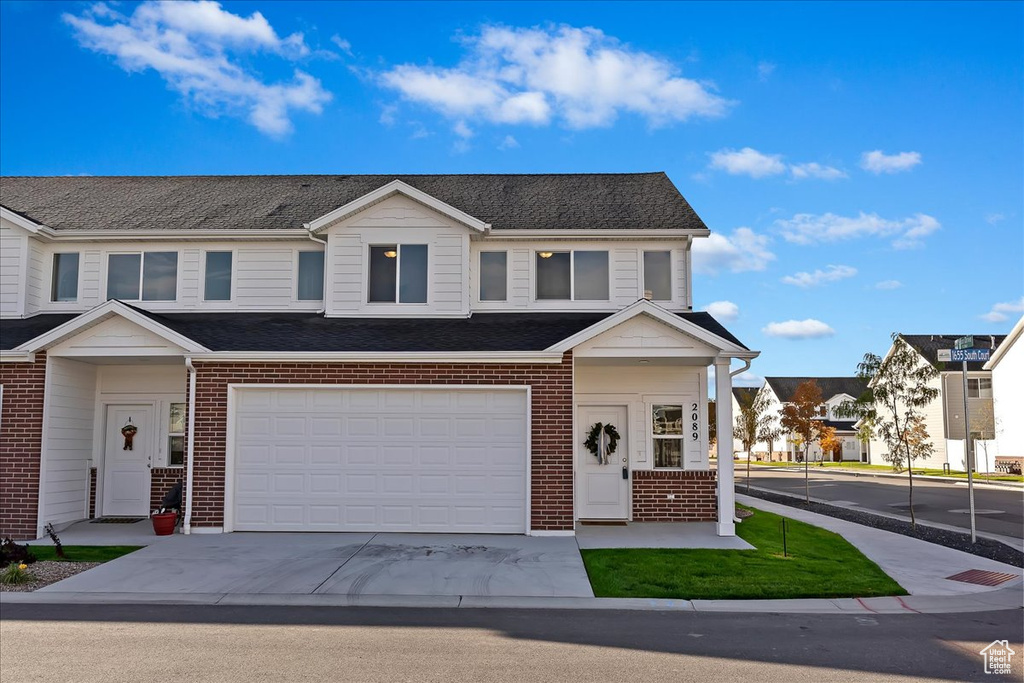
(800, 417)
(899, 387)
(828, 442)
(712, 425)
(752, 423)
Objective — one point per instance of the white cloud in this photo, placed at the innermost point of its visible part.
(723, 311)
(819, 277)
(744, 250)
(388, 114)
(1001, 312)
(747, 379)
(994, 218)
(508, 143)
(462, 130)
(806, 228)
(192, 45)
(878, 162)
(750, 162)
(342, 44)
(764, 70)
(888, 284)
(578, 76)
(799, 329)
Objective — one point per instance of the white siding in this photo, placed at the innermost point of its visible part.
(160, 385)
(1008, 392)
(68, 437)
(36, 289)
(13, 246)
(934, 423)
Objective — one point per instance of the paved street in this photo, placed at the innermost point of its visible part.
(219, 643)
(1000, 511)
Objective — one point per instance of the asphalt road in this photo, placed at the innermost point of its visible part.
(999, 511)
(84, 643)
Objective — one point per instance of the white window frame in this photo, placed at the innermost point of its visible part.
(981, 391)
(295, 273)
(232, 282)
(480, 274)
(168, 433)
(52, 272)
(572, 276)
(681, 438)
(671, 273)
(142, 272)
(398, 274)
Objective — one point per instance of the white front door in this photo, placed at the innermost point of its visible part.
(126, 471)
(601, 490)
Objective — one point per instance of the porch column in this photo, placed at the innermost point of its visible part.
(723, 412)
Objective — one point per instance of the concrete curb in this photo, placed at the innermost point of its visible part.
(892, 475)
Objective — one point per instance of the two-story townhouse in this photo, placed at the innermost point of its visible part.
(357, 353)
(834, 392)
(1007, 368)
(944, 417)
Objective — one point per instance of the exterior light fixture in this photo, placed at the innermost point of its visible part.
(390, 253)
(544, 254)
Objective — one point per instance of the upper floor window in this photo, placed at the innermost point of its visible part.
(311, 276)
(658, 274)
(217, 286)
(979, 387)
(493, 276)
(64, 285)
(146, 276)
(398, 273)
(572, 275)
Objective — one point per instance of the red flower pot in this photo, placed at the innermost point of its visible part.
(164, 523)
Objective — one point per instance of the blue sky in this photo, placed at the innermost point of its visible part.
(861, 164)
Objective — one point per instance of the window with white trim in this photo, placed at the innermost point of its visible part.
(217, 283)
(979, 387)
(572, 276)
(397, 274)
(493, 276)
(64, 282)
(668, 435)
(310, 276)
(658, 274)
(176, 435)
(143, 276)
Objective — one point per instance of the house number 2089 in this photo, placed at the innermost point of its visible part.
(695, 422)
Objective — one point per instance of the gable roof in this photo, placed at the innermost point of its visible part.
(1005, 345)
(928, 345)
(785, 387)
(745, 395)
(572, 201)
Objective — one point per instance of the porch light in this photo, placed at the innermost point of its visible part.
(544, 254)
(643, 361)
(390, 253)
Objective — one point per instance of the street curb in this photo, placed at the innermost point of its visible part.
(990, 601)
(1013, 486)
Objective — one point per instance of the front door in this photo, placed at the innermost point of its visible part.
(126, 469)
(601, 490)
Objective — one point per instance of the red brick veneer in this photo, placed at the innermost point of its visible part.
(696, 498)
(552, 466)
(21, 436)
(162, 480)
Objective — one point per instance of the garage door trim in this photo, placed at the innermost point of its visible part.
(230, 426)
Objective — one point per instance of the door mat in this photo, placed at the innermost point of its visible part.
(602, 522)
(982, 577)
(117, 520)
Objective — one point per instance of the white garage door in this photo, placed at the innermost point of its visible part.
(343, 459)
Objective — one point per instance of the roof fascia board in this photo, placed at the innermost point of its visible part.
(17, 357)
(98, 314)
(25, 223)
(1002, 349)
(645, 307)
(379, 357)
(606, 234)
(396, 187)
(118, 235)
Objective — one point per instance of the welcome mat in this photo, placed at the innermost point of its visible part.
(982, 577)
(117, 520)
(602, 522)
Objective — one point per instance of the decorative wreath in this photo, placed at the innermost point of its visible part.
(594, 439)
(128, 432)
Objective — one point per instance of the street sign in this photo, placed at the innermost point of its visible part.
(944, 355)
(965, 342)
(969, 355)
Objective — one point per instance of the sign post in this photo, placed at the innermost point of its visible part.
(964, 352)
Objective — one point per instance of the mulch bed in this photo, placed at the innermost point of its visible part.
(49, 572)
(993, 550)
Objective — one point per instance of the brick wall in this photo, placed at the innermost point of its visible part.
(552, 466)
(21, 434)
(695, 500)
(163, 479)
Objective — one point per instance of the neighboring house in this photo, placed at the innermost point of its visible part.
(1007, 368)
(741, 398)
(944, 417)
(356, 353)
(834, 392)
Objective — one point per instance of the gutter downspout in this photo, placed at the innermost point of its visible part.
(746, 366)
(190, 467)
(312, 236)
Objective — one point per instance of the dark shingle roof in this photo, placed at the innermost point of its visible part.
(929, 344)
(600, 201)
(745, 395)
(785, 387)
(314, 332)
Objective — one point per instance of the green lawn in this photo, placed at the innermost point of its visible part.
(83, 553)
(821, 564)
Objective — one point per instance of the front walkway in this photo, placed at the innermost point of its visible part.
(89, 532)
(657, 535)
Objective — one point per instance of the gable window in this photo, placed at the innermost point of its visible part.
(572, 275)
(217, 286)
(176, 435)
(398, 273)
(146, 276)
(658, 274)
(979, 387)
(667, 433)
(64, 285)
(493, 276)
(311, 276)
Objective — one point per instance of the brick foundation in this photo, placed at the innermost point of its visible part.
(21, 436)
(551, 415)
(696, 498)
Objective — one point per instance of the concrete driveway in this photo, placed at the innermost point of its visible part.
(345, 564)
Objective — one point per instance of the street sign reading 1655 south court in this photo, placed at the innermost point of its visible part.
(968, 355)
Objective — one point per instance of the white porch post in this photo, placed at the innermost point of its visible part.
(723, 412)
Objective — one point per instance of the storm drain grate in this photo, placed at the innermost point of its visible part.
(117, 520)
(982, 577)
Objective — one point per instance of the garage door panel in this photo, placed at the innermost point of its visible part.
(335, 459)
